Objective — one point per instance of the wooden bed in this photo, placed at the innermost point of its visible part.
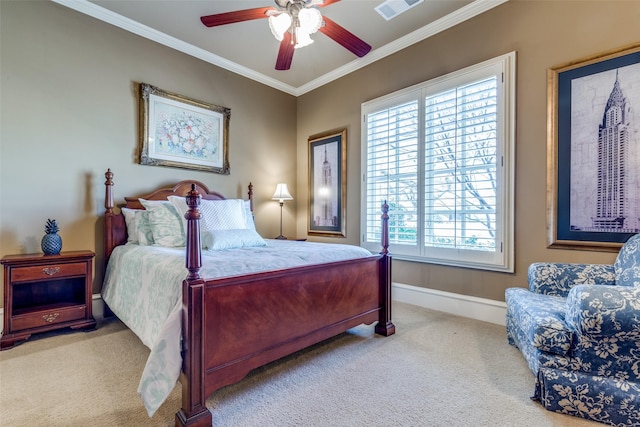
(313, 303)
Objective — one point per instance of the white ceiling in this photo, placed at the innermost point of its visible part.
(249, 49)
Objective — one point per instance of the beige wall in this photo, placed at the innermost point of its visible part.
(544, 34)
(69, 111)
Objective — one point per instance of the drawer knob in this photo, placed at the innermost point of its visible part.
(50, 271)
(50, 317)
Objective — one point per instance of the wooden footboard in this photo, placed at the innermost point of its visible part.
(233, 325)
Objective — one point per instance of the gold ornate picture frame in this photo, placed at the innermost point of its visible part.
(181, 132)
(593, 146)
(327, 184)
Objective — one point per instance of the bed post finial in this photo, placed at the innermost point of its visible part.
(250, 193)
(385, 228)
(194, 253)
(108, 196)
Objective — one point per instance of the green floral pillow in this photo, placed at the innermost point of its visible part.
(145, 236)
(165, 224)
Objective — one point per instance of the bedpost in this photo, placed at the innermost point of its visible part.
(194, 252)
(385, 326)
(250, 193)
(194, 412)
(108, 191)
(108, 216)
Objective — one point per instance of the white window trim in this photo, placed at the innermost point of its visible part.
(505, 222)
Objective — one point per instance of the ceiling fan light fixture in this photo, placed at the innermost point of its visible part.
(302, 38)
(280, 24)
(310, 20)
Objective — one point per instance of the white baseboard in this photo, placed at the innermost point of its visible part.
(486, 310)
(97, 306)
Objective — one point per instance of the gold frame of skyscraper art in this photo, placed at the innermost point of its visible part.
(593, 151)
(328, 184)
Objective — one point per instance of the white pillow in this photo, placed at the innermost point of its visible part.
(164, 221)
(214, 214)
(248, 216)
(231, 238)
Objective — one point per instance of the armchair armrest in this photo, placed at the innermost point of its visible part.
(604, 311)
(558, 278)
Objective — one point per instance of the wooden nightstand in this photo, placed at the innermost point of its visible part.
(46, 292)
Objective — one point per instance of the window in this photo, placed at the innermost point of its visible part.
(441, 154)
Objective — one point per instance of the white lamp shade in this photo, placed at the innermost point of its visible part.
(302, 38)
(310, 20)
(282, 193)
(279, 25)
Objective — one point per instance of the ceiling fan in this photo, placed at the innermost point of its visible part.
(292, 22)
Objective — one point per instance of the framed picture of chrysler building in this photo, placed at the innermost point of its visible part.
(327, 184)
(593, 144)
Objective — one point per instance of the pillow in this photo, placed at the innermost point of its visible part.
(215, 214)
(145, 237)
(231, 238)
(248, 214)
(132, 218)
(165, 224)
(138, 228)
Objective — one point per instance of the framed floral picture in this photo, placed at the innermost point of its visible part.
(327, 184)
(177, 131)
(593, 182)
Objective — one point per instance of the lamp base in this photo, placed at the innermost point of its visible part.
(281, 237)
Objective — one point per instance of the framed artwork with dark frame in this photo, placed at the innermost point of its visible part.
(327, 184)
(182, 132)
(593, 144)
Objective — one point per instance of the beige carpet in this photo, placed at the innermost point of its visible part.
(438, 370)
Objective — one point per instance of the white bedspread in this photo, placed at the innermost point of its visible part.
(143, 287)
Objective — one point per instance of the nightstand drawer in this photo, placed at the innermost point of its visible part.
(35, 319)
(47, 272)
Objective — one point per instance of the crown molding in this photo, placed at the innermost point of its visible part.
(467, 12)
(105, 15)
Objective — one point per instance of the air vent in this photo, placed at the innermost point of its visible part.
(392, 8)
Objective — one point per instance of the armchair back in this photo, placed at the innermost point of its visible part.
(627, 264)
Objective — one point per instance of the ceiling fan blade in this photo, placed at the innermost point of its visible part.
(321, 3)
(344, 37)
(285, 54)
(235, 16)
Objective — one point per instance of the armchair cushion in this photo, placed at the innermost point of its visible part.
(541, 319)
(557, 279)
(605, 311)
(629, 277)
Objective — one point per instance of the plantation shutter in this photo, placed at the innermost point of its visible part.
(392, 172)
(460, 167)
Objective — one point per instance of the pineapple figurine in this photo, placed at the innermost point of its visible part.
(51, 242)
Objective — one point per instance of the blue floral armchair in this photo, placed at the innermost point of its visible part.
(578, 327)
